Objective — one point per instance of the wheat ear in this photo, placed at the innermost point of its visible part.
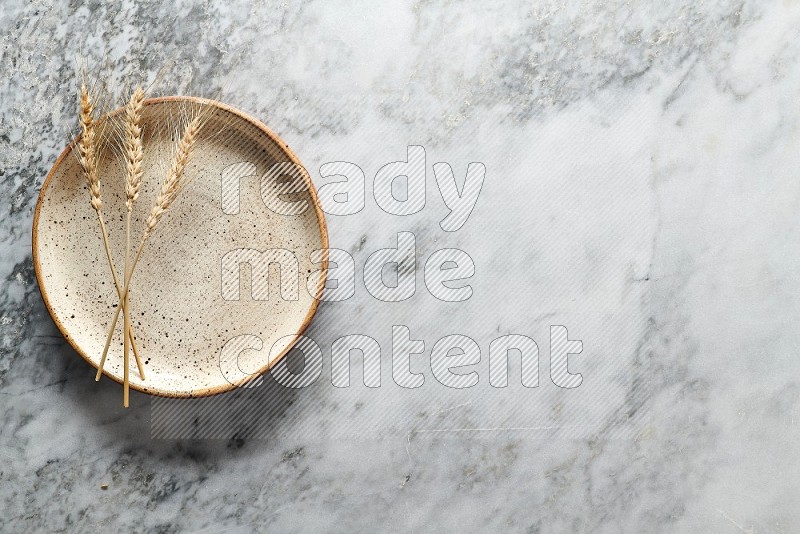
(134, 153)
(87, 156)
(171, 187)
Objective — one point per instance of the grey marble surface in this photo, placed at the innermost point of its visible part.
(641, 189)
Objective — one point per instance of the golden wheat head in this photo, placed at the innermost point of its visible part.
(133, 148)
(173, 182)
(87, 147)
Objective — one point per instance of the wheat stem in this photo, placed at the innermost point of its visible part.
(122, 298)
(119, 293)
(126, 339)
(134, 153)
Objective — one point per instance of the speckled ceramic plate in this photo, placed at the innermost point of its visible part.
(183, 313)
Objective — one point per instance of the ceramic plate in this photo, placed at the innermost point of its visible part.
(188, 316)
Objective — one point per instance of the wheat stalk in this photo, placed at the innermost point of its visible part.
(87, 156)
(171, 187)
(134, 153)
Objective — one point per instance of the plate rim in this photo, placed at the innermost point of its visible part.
(323, 229)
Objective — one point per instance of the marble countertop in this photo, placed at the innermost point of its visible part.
(642, 188)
